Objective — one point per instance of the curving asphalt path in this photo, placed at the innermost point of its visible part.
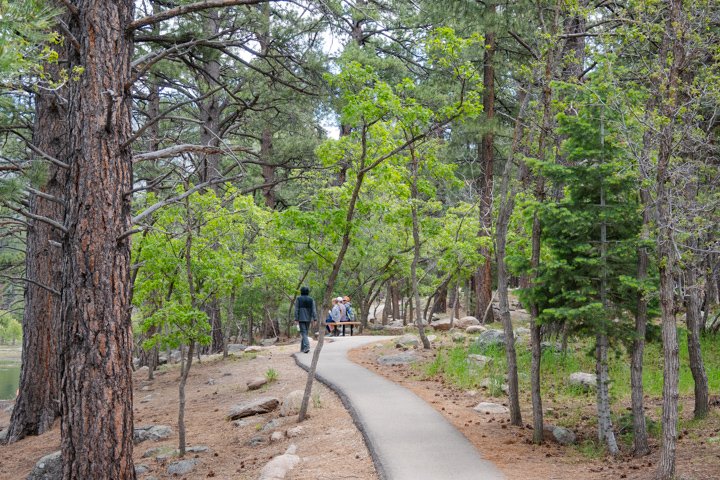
(407, 438)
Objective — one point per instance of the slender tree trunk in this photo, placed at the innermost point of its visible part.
(697, 367)
(507, 203)
(38, 403)
(96, 398)
(640, 439)
(414, 196)
(672, 40)
(181, 399)
(605, 430)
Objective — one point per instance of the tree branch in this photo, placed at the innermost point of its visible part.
(184, 9)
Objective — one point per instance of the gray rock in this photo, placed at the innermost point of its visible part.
(555, 347)
(582, 379)
(143, 369)
(522, 331)
(441, 325)
(479, 360)
(198, 449)
(162, 359)
(278, 467)
(458, 337)
(276, 437)
(152, 452)
(468, 321)
(475, 329)
(3, 434)
(398, 359)
(141, 469)
(268, 342)
(559, 435)
(431, 338)
(521, 316)
(241, 423)
(407, 341)
(175, 356)
(490, 408)
(253, 348)
(48, 467)
(182, 467)
(375, 327)
(491, 337)
(291, 403)
(257, 440)
(146, 399)
(236, 348)
(152, 432)
(211, 381)
(257, 382)
(273, 424)
(295, 431)
(256, 407)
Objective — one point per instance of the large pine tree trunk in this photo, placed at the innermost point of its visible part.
(96, 399)
(483, 276)
(38, 404)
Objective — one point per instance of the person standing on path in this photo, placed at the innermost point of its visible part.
(304, 314)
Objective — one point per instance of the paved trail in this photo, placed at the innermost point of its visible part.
(407, 438)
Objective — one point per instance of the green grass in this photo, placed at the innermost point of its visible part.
(271, 375)
(556, 367)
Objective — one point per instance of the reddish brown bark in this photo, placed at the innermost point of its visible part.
(96, 399)
(38, 403)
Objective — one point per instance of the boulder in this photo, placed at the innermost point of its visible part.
(490, 408)
(431, 338)
(475, 329)
(257, 382)
(256, 407)
(278, 467)
(479, 360)
(407, 341)
(399, 359)
(582, 379)
(268, 342)
(521, 316)
(374, 327)
(441, 325)
(175, 356)
(236, 348)
(561, 435)
(182, 467)
(141, 469)
(253, 349)
(491, 337)
(162, 359)
(152, 432)
(468, 321)
(48, 467)
(291, 403)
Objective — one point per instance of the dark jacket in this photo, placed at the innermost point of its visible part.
(305, 309)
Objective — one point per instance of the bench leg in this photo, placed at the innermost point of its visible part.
(343, 330)
(351, 330)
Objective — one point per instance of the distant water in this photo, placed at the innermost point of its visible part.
(9, 372)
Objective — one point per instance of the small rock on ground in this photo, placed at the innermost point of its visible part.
(152, 432)
(295, 431)
(182, 467)
(48, 467)
(256, 383)
(256, 407)
(291, 403)
(278, 467)
(490, 408)
(399, 359)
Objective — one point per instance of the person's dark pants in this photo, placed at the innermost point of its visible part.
(304, 341)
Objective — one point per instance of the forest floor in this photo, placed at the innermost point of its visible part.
(330, 446)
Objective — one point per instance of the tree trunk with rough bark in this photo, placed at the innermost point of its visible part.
(96, 398)
(38, 403)
(414, 196)
(483, 275)
(673, 48)
(697, 366)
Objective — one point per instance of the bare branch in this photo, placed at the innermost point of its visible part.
(39, 218)
(37, 284)
(184, 9)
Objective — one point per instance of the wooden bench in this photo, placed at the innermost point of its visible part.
(352, 324)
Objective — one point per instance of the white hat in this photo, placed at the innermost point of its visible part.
(339, 299)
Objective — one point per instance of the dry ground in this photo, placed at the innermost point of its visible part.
(331, 447)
